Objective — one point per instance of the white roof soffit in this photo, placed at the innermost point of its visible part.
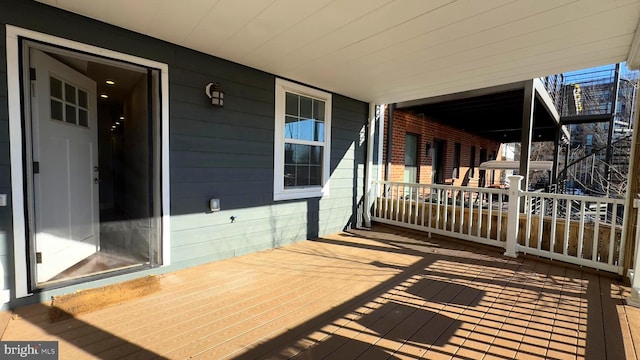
(387, 51)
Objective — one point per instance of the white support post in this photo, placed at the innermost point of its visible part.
(367, 177)
(634, 298)
(513, 218)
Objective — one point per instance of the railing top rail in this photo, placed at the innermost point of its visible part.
(445, 187)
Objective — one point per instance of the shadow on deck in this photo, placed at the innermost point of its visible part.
(380, 294)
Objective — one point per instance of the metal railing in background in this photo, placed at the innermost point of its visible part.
(588, 93)
(554, 85)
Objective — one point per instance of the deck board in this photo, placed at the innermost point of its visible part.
(380, 294)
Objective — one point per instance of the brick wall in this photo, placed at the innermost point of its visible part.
(427, 130)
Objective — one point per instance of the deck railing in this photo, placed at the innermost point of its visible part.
(443, 209)
(581, 230)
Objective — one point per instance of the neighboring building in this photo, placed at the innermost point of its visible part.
(598, 107)
(444, 140)
(429, 152)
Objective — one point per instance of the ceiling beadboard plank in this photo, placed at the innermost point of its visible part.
(595, 59)
(425, 31)
(520, 57)
(175, 20)
(133, 15)
(222, 22)
(442, 17)
(525, 65)
(275, 20)
(544, 29)
(386, 50)
(473, 31)
(509, 51)
(432, 84)
(546, 41)
(378, 21)
(93, 9)
(327, 20)
(490, 76)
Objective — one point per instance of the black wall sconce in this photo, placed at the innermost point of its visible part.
(215, 93)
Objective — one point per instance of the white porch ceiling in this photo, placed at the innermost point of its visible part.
(388, 51)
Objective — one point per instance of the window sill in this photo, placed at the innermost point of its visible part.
(299, 194)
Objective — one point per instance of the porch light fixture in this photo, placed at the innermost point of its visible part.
(110, 82)
(215, 93)
(104, 96)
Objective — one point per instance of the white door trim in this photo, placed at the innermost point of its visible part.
(18, 173)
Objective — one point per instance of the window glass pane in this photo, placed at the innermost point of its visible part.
(56, 110)
(288, 153)
(318, 110)
(303, 165)
(306, 129)
(289, 175)
(302, 175)
(291, 107)
(315, 157)
(83, 118)
(315, 175)
(56, 87)
(82, 98)
(411, 150)
(301, 154)
(306, 107)
(318, 132)
(291, 127)
(70, 93)
(70, 114)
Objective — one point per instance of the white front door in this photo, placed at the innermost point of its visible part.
(65, 155)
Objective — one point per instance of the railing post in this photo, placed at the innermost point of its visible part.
(513, 218)
(634, 298)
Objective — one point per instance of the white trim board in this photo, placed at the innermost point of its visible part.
(18, 173)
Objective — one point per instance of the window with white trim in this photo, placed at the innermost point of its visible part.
(302, 141)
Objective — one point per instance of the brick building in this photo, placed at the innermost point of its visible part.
(425, 151)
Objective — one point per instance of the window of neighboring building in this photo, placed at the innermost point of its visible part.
(456, 160)
(472, 162)
(411, 158)
(482, 173)
(589, 141)
(492, 156)
(302, 141)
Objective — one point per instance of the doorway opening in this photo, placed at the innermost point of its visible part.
(439, 153)
(92, 130)
(482, 175)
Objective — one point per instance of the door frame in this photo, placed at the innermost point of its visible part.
(16, 77)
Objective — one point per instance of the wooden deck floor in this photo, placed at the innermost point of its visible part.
(380, 294)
